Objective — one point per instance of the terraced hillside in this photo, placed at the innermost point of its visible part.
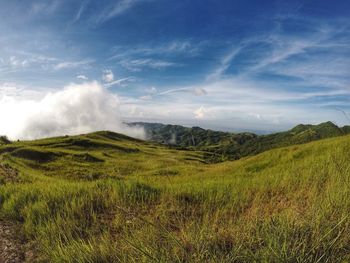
(105, 197)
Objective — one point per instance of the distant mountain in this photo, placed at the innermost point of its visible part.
(230, 146)
(190, 137)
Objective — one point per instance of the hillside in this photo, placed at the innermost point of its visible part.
(4, 140)
(105, 197)
(233, 146)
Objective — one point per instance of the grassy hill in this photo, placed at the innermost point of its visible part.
(233, 146)
(105, 197)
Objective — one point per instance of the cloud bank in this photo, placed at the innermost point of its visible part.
(75, 109)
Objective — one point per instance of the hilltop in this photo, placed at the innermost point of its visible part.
(106, 197)
(232, 146)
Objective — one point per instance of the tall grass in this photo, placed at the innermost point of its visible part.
(286, 205)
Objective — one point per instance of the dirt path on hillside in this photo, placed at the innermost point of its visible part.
(11, 249)
(8, 174)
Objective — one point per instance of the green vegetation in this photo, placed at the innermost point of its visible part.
(4, 140)
(104, 197)
(232, 146)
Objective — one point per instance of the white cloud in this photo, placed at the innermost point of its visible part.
(146, 97)
(108, 76)
(152, 90)
(74, 109)
(200, 113)
(82, 77)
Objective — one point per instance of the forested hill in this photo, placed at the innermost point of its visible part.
(230, 146)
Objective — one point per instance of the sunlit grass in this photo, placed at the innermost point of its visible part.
(129, 201)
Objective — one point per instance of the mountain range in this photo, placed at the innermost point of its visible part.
(223, 146)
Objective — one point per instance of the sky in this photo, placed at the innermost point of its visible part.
(72, 66)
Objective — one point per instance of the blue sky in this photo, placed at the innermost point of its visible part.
(224, 64)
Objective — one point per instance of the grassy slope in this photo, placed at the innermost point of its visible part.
(103, 198)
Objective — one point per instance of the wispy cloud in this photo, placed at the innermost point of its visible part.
(152, 90)
(198, 91)
(115, 10)
(176, 47)
(44, 7)
(225, 63)
(120, 82)
(82, 77)
(73, 64)
(108, 76)
(154, 57)
(146, 97)
(23, 61)
(226, 69)
(139, 64)
(80, 11)
(238, 103)
(16, 62)
(289, 56)
(283, 47)
(9, 91)
(154, 93)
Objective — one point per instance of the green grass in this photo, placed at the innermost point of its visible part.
(106, 198)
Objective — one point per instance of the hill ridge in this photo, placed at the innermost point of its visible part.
(232, 146)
